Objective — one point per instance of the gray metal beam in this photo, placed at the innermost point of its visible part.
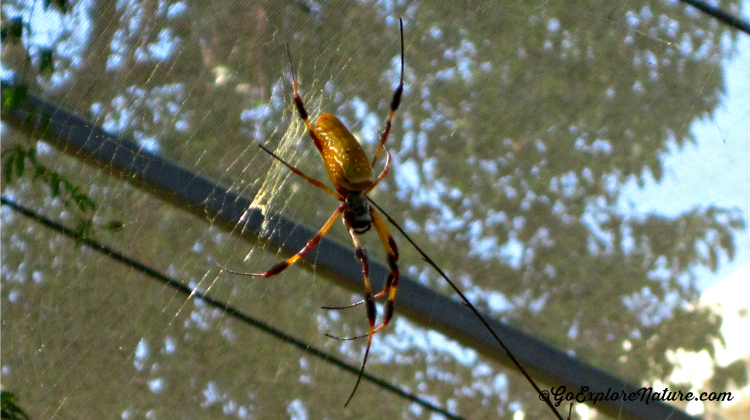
(203, 198)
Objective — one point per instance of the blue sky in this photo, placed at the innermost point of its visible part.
(715, 170)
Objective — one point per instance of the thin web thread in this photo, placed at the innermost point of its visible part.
(267, 194)
(226, 308)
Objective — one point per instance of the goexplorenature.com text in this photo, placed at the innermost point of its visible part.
(645, 394)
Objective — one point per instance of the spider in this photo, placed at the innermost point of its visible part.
(351, 172)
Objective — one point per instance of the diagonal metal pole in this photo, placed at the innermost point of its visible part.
(202, 197)
(734, 21)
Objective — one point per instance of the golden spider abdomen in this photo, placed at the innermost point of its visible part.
(346, 161)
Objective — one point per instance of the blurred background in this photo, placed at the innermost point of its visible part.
(581, 169)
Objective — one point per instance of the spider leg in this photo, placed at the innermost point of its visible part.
(300, 105)
(395, 102)
(369, 301)
(351, 305)
(308, 246)
(302, 174)
(357, 303)
(391, 282)
(383, 173)
(364, 362)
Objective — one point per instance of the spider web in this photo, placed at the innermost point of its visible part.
(496, 100)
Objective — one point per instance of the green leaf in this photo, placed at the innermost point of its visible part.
(46, 61)
(84, 230)
(114, 225)
(69, 187)
(12, 30)
(39, 171)
(8, 100)
(20, 162)
(9, 159)
(54, 185)
(10, 409)
(84, 202)
(13, 97)
(31, 155)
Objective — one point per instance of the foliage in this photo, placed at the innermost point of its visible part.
(520, 123)
(10, 408)
(16, 157)
(12, 30)
(15, 165)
